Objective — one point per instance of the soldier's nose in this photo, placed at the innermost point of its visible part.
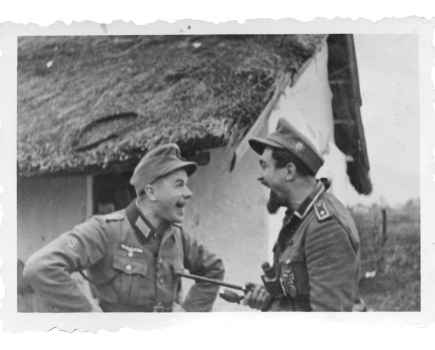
(188, 194)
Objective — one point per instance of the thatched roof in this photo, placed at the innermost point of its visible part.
(92, 103)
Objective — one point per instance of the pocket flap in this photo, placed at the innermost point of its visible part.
(129, 265)
(290, 256)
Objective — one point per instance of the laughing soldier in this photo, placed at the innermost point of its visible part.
(131, 256)
(316, 256)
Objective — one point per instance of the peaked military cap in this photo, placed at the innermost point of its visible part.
(287, 137)
(157, 163)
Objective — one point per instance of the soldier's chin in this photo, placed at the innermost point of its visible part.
(274, 203)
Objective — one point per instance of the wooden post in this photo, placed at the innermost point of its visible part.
(89, 195)
(384, 225)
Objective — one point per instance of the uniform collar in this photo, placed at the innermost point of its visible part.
(139, 222)
(321, 186)
(143, 228)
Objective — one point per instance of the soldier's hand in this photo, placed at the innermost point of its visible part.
(257, 296)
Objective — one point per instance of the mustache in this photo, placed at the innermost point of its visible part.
(274, 203)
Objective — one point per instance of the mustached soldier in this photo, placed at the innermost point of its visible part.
(316, 256)
(131, 256)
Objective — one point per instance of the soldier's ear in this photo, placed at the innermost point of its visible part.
(290, 172)
(150, 192)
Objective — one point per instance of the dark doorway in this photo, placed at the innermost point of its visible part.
(111, 192)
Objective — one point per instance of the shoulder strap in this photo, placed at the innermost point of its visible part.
(114, 216)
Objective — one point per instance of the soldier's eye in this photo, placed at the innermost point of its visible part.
(263, 164)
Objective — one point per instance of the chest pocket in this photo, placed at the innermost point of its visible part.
(134, 280)
(130, 265)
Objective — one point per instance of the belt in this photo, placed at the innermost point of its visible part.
(114, 307)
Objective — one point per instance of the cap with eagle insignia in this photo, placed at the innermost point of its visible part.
(321, 210)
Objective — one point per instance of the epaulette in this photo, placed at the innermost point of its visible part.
(115, 216)
(321, 210)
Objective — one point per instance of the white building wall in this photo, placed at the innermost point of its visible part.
(47, 207)
(228, 213)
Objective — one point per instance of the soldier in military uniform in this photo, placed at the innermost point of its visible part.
(316, 256)
(131, 256)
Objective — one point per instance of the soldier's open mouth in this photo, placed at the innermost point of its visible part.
(264, 183)
(180, 204)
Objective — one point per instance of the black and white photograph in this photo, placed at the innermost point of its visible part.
(209, 173)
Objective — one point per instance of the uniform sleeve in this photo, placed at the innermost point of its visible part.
(199, 261)
(49, 270)
(332, 267)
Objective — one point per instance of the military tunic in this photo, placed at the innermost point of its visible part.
(317, 257)
(130, 265)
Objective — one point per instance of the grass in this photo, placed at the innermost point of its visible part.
(396, 286)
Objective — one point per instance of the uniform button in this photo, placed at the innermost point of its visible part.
(128, 267)
(161, 280)
(160, 261)
(130, 254)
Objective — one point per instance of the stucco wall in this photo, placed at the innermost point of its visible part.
(48, 206)
(228, 214)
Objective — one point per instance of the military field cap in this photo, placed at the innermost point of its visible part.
(159, 162)
(287, 137)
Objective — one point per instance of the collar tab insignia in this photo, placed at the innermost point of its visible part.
(321, 210)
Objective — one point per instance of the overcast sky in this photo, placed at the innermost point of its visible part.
(390, 111)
